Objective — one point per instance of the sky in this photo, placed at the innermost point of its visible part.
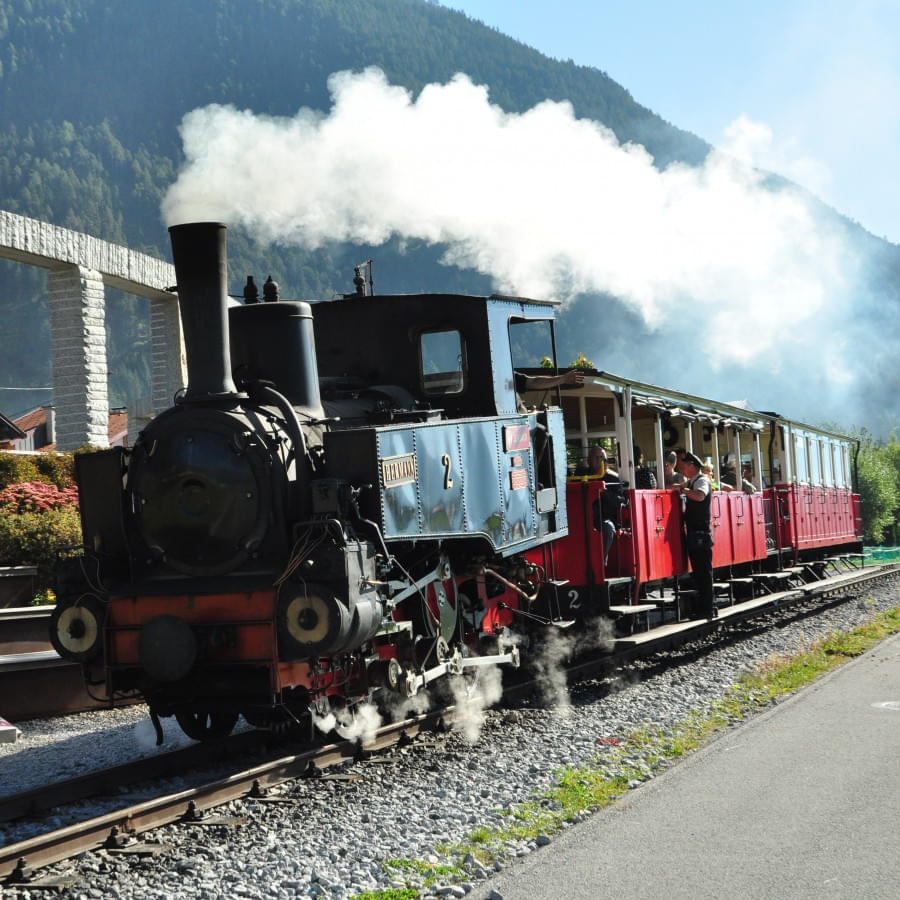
(815, 83)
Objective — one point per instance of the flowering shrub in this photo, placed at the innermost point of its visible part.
(36, 496)
(15, 468)
(54, 468)
(33, 538)
(38, 511)
(57, 468)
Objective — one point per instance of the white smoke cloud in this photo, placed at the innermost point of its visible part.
(472, 698)
(549, 206)
(356, 723)
(550, 674)
(361, 725)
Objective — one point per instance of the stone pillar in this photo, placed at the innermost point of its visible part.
(78, 333)
(168, 359)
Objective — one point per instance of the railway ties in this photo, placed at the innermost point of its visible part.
(119, 829)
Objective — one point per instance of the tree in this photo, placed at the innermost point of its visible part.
(878, 470)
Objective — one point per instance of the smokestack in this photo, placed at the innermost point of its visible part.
(201, 273)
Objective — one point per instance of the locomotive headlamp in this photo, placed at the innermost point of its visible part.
(75, 628)
(312, 621)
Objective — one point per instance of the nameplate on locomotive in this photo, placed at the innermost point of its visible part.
(397, 470)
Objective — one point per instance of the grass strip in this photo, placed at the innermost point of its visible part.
(633, 758)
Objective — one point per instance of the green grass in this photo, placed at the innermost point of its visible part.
(389, 894)
(592, 787)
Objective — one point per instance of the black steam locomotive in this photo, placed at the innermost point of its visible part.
(339, 502)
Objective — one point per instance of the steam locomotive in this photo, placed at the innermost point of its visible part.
(340, 501)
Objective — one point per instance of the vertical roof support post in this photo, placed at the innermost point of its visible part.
(758, 461)
(660, 453)
(628, 453)
(717, 468)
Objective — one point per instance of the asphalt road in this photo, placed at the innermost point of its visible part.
(803, 801)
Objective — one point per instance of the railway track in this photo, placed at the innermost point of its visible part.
(115, 830)
(18, 862)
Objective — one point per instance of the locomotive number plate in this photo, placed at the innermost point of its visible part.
(397, 470)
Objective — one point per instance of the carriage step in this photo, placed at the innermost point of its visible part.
(613, 582)
(741, 580)
(558, 582)
(632, 609)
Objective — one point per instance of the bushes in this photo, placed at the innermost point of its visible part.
(57, 468)
(33, 538)
(38, 511)
(15, 469)
(50, 468)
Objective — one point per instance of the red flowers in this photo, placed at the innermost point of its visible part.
(36, 496)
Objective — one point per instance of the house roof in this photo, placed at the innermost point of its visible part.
(9, 430)
(32, 420)
(117, 428)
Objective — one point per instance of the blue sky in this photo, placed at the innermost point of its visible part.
(816, 85)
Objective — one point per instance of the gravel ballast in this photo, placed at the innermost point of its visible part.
(334, 838)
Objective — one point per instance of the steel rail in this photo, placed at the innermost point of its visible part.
(18, 860)
(104, 782)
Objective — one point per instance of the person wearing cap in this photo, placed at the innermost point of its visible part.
(698, 494)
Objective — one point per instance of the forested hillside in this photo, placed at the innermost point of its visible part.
(92, 93)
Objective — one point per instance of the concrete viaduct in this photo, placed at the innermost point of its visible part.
(79, 267)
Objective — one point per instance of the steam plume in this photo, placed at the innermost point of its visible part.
(471, 701)
(547, 205)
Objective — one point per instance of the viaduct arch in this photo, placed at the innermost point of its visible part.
(79, 268)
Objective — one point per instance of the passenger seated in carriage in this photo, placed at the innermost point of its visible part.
(606, 507)
(643, 477)
(673, 477)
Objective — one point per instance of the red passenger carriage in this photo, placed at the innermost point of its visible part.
(801, 510)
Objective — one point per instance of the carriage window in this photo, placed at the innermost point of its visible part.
(842, 465)
(827, 458)
(802, 472)
(815, 474)
(443, 362)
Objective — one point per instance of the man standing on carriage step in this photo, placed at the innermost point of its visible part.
(699, 534)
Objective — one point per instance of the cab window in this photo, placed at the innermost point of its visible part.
(442, 362)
